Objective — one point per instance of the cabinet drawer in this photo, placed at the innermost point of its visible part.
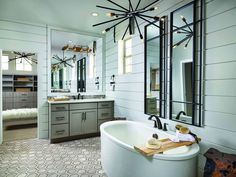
(23, 105)
(7, 94)
(59, 131)
(105, 113)
(59, 107)
(83, 106)
(59, 117)
(105, 104)
(24, 99)
(23, 94)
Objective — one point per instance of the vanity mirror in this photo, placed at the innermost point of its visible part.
(76, 62)
(155, 64)
(186, 64)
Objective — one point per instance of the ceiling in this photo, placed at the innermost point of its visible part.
(70, 14)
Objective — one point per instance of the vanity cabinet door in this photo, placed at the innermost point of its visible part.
(76, 121)
(90, 122)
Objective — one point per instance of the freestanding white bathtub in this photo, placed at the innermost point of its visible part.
(120, 159)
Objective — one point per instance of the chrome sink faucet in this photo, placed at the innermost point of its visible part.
(157, 121)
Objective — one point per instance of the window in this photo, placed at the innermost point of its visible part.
(23, 64)
(125, 56)
(5, 64)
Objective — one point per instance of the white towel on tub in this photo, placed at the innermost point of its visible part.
(182, 137)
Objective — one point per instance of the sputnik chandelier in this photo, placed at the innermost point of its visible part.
(131, 14)
(188, 33)
(64, 61)
(26, 56)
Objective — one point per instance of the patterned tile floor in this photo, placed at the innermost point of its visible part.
(38, 158)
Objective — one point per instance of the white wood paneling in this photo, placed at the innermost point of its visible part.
(219, 78)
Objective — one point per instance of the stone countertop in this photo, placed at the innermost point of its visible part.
(80, 101)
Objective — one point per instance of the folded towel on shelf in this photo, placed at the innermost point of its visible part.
(182, 137)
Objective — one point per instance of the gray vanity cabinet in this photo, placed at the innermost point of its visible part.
(83, 122)
(76, 120)
(105, 112)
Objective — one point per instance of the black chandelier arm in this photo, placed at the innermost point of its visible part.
(144, 10)
(12, 59)
(185, 21)
(183, 32)
(30, 54)
(188, 41)
(17, 53)
(178, 28)
(33, 60)
(140, 34)
(137, 5)
(181, 41)
(125, 32)
(148, 21)
(26, 59)
(57, 58)
(130, 6)
(103, 7)
(109, 21)
(117, 5)
(151, 4)
(64, 62)
(147, 16)
(117, 23)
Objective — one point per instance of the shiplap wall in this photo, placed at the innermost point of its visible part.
(90, 82)
(219, 115)
(24, 37)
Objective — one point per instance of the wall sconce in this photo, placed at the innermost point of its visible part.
(112, 82)
(97, 82)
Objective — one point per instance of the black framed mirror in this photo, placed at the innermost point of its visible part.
(81, 75)
(155, 68)
(186, 64)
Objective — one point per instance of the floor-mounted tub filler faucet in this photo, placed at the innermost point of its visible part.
(157, 121)
(179, 114)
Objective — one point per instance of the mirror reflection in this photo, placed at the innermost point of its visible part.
(182, 64)
(76, 62)
(183, 102)
(154, 72)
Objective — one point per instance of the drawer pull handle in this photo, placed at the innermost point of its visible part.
(60, 118)
(105, 114)
(23, 94)
(23, 100)
(60, 132)
(60, 108)
(105, 105)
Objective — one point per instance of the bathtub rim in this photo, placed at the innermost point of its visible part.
(193, 152)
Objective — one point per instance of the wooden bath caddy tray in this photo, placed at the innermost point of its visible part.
(166, 144)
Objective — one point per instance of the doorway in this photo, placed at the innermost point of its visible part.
(19, 95)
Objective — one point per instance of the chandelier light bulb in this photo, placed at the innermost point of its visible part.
(110, 14)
